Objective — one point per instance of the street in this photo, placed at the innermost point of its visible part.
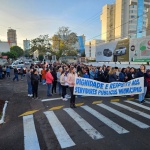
(98, 123)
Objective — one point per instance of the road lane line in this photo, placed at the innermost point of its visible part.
(50, 99)
(56, 108)
(97, 102)
(115, 100)
(142, 106)
(93, 133)
(30, 137)
(61, 134)
(124, 116)
(133, 110)
(105, 120)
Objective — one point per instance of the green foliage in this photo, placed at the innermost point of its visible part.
(63, 42)
(41, 57)
(42, 43)
(10, 54)
(16, 51)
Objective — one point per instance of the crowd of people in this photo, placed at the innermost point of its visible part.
(62, 77)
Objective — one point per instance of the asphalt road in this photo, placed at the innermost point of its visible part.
(49, 124)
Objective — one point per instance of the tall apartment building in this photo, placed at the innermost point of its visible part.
(130, 18)
(26, 44)
(12, 37)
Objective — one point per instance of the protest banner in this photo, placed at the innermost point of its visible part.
(89, 87)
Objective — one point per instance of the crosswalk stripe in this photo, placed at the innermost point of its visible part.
(63, 138)
(30, 136)
(134, 103)
(106, 120)
(93, 133)
(133, 110)
(124, 116)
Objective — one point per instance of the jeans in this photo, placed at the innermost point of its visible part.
(16, 77)
(59, 88)
(48, 89)
(142, 96)
(29, 88)
(8, 74)
(43, 81)
(0, 75)
(21, 75)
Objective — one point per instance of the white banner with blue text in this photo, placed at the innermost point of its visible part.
(89, 87)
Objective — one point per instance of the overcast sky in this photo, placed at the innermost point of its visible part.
(32, 18)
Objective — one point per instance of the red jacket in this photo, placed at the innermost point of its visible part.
(49, 77)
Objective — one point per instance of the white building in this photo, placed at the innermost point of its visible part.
(90, 48)
(125, 19)
(4, 47)
(36, 54)
(26, 44)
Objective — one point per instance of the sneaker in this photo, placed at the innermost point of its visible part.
(29, 95)
(62, 98)
(67, 96)
(65, 99)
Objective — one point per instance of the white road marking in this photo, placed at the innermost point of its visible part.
(133, 110)
(62, 136)
(124, 116)
(50, 99)
(142, 106)
(93, 133)
(30, 136)
(106, 120)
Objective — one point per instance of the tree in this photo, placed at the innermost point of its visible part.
(64, 41)
(17, 51)
(42, 43)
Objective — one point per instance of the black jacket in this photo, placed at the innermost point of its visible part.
(34, 79)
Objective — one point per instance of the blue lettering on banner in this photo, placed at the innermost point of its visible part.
(94, 88)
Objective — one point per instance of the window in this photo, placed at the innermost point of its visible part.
(132, 16)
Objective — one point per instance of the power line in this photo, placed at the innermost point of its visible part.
(118, 26)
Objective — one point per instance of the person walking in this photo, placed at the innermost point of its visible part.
(1, 70)
(142, 73)
(54, 74)
(21, 73)
(71, 81)
(35, 82)
(8, 72)
(16, 74)
(43, 72)
(28, 76)
(49, 80)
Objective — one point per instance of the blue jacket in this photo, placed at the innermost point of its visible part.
(92, 75)
(122, 77)
(112, 78)
(85, 75)
(7, 69)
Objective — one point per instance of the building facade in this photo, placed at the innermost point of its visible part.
(26, 44)
(12, 37)
(125, 19)
(90, 48)
(4, 47)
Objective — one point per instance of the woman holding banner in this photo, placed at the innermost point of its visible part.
(71, 81)
(142, 73)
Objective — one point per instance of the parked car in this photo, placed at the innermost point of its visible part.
(13, 65)
(121, 51)
(19, 67)
(37, 63)
(107, 52)
(27, 63)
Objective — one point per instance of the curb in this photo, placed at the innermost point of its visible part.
(3, 113)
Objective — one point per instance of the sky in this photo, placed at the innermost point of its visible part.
(31, 18)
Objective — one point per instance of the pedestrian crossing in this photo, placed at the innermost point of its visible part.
(62, 134)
